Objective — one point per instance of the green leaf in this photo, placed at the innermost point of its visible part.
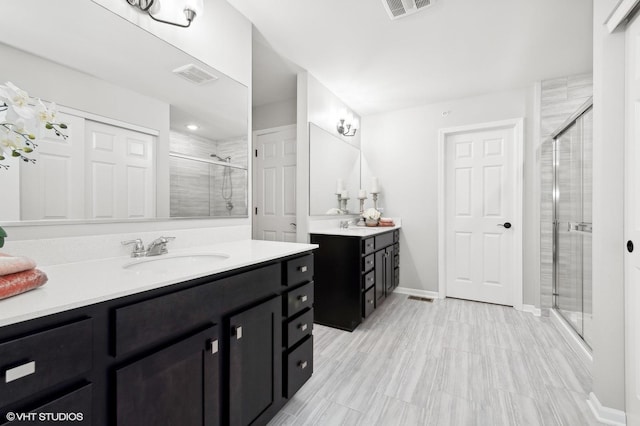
(48, 126)
(1, 242)
(63, 126)
(15, 154)
(27, 150)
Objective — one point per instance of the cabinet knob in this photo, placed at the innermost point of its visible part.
(370, 302)
(303, 269)
(303, 327)
(303, 364)
(303, 298)
(213, 346)
(238, 331)
(20, 371)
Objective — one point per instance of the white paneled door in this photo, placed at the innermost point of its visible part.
(120, 172)
(480, 215)
(632, 224)
(275, 183)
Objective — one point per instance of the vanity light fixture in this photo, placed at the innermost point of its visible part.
(347, 125)
(192, 8)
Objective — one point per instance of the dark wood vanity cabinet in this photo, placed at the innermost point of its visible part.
(211, 351)
(353, 276)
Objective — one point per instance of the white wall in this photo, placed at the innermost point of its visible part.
(318, 105)
(276, 114)
(401, 148)
(221, 37)
(608, 210)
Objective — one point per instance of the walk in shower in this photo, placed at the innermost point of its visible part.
(572, 222)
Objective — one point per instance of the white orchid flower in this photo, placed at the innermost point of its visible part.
(46, 114)
(17, 100)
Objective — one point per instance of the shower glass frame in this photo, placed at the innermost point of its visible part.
(581, 229)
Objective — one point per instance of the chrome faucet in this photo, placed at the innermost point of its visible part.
(344, 224)
(159, 246)
(138, 247)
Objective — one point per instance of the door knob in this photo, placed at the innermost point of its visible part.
(505, 225)
(630, 246)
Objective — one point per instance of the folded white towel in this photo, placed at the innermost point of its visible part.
(13, 264)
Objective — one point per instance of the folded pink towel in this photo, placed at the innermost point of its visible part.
(13, 264)
(17, 283)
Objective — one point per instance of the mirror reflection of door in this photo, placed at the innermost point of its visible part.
(275, 184)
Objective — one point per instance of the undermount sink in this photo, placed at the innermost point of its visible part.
(172, 262)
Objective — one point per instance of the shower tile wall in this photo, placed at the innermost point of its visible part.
(196, 187)
(559, 98)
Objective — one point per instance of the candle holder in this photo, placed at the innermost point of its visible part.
(343, 205)
(375, 199)
(361, 219)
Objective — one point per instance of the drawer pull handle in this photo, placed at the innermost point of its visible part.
(303, 364)
(303, 327)
(239, 333)
(370, 301)
(213, 346)
(303, 298)
(303, 269)
(20, 371)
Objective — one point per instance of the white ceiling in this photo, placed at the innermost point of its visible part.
(453, 49)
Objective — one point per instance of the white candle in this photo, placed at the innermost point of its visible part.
(339, 186)
(374, 185)
(362, 193)
(344, 194)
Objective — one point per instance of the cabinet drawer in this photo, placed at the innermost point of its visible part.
(368, 302)
(298, 328)
(384, 240)
(368, 245)
(173, 315)
(396, 247)
(72, 408)
(298, 367)
(368, 262)
(396, 261)
(298, 299)
(368, 280)
(299, 270)
(35, 362)
(396, 235)
(396, 277)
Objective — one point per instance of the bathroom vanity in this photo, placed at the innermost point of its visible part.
(134, 346)
(356, 268)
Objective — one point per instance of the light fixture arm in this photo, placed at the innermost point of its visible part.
(146, 5)
(345, 129)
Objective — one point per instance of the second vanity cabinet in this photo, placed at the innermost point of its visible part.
(209, 351)
(354, 274)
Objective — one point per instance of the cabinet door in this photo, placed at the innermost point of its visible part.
(255, 362)
(388, 269)
(380, 276)
(178, 385)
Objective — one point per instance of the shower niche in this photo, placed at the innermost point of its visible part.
(572, 220)
(208, 178)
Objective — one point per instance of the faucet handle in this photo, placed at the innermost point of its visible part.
(138, 248)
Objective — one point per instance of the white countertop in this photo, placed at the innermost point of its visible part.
(74, 285)
(356, 231)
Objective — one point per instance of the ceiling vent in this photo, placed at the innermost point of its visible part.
(195, 74)
(399, 8)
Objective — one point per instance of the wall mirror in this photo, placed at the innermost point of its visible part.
(121, 88)
(333, 163)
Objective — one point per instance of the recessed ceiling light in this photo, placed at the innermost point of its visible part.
(192, 127)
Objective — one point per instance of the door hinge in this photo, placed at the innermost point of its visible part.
(256, 151)
(256, 210)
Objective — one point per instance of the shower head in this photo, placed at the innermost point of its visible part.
(225, 159)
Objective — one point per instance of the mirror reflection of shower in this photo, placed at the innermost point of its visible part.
(227, 187)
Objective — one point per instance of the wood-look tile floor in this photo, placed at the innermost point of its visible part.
(450, 362)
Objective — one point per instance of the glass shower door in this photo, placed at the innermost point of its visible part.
(572, 195)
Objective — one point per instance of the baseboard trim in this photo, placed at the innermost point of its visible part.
(532, 310)
(607, 415)
(572, 338)
(416, 292)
